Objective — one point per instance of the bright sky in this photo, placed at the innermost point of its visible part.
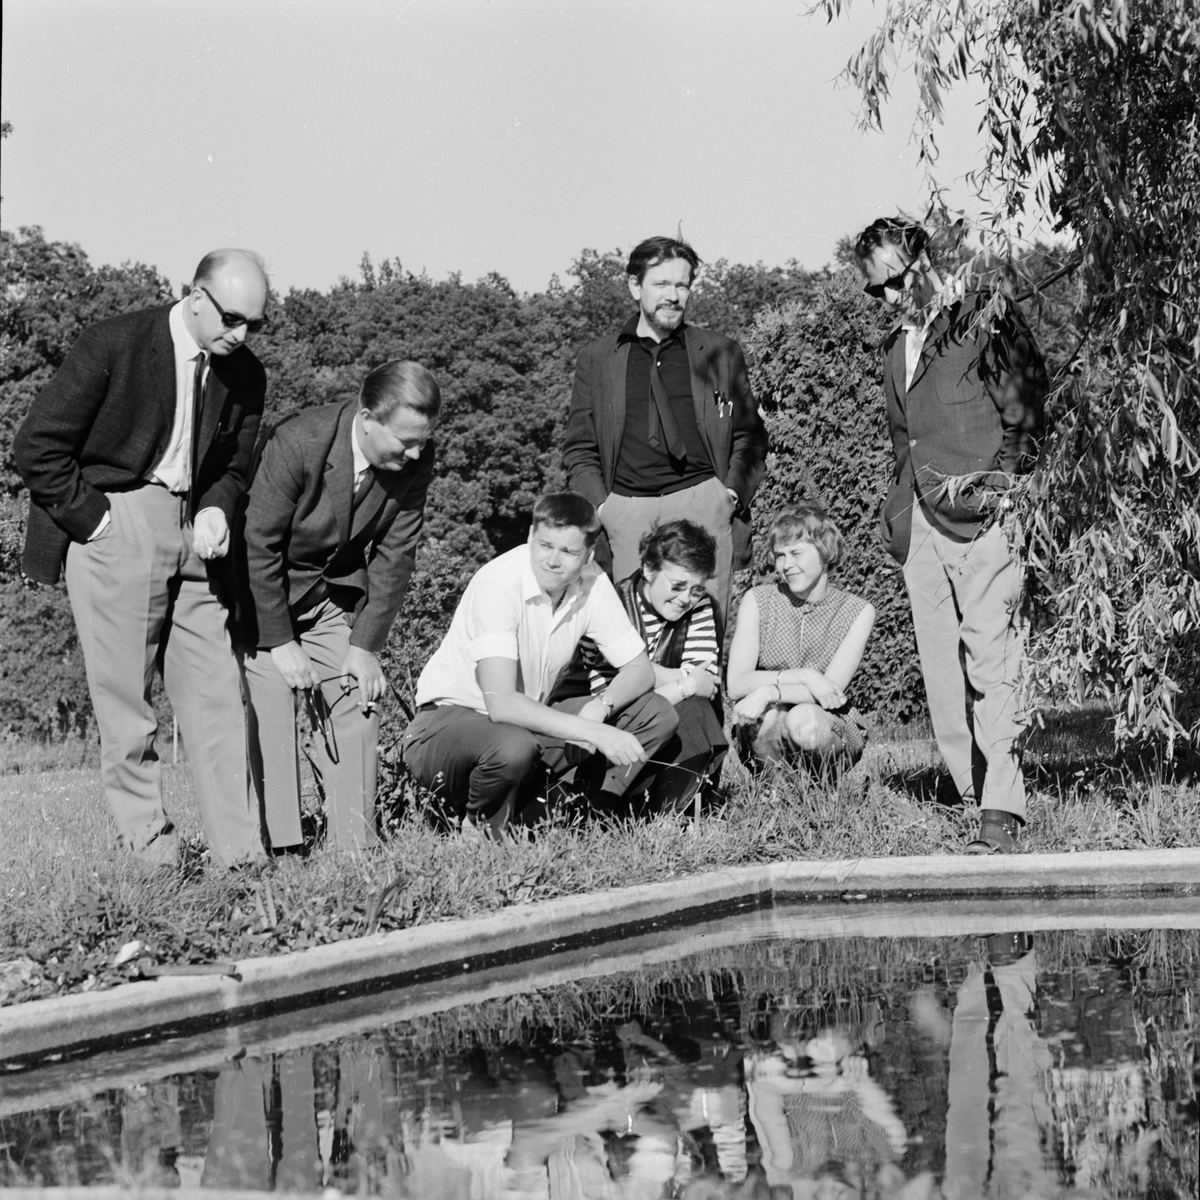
(456, 135)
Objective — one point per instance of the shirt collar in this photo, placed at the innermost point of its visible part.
(629, 332)
(947, 296)
(186, 346)
(361, 462)
(531, 589)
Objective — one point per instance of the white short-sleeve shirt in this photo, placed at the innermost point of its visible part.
(505, 614)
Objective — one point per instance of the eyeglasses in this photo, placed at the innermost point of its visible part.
(895, 284)
(232, 320)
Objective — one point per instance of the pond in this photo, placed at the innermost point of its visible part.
(1015, 1064)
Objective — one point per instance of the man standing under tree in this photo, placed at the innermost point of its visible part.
(331, 533)
(965, 408)
(135, 455)
(663, 424)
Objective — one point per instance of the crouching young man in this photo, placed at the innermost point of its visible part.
(484, 730)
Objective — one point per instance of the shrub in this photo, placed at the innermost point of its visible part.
(43, 689)
(816, 375)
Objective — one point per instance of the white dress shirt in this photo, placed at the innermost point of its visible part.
(174, 469)
(361, 463)
(505, 614)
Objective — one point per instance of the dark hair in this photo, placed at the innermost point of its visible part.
(397, 384)
(807, 523)
(892, 231)
(655, 250)
(214, 260)
(568, 510)
(682, 543)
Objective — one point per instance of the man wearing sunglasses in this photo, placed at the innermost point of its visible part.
(135, 455)
(965, 402)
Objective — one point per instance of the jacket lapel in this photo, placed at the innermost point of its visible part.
(702, 389)
(934, 336)
(610, 438)
(339, 473)
(898, 365)
(367, 511)
(208, 409)
(162, 366)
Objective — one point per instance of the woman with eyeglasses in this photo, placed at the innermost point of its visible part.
(668, 601)
(798, 642)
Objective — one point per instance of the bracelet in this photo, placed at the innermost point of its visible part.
(778, 689)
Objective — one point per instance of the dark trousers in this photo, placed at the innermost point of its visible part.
(489, 771)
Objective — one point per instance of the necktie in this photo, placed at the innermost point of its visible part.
(363, 486)
(193, 434)
(662, 419)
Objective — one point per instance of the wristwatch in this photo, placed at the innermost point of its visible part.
(608, 704)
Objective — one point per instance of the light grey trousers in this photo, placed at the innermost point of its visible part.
(139, 591)
(971, 643)
(627, 518)
(345, 742)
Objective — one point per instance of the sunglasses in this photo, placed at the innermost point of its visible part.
(895, 284)
(232, 320)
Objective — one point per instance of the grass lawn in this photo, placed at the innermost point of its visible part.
(69, 901)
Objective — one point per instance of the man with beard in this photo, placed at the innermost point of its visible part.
(663, 424)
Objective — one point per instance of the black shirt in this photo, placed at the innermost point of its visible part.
(642, 468)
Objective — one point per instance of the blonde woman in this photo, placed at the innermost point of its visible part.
(798, 642)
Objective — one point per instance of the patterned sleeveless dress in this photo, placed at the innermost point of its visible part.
(794, 633)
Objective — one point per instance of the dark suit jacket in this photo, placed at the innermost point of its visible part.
(103, 422)
(302, 530)
(726, 415)
(973, 415)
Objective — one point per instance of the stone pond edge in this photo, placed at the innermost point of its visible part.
(38, 1027)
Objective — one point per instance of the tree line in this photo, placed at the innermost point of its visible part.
(505, 363)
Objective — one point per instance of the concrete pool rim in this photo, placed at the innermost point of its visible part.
(66, 1025)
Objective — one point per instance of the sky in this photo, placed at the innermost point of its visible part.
(454, 135)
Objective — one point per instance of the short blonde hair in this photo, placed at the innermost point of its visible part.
(807, 523)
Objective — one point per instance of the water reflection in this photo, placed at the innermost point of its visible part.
(998, 1068)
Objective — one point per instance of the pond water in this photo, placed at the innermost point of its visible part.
(1012, 1065)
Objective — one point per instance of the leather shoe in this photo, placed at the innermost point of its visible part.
(998, 832)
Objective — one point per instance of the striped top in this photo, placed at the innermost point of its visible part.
(701, 644)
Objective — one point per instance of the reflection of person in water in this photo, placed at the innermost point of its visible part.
(290, 1123)
(999, 1119)
(700, 1072)
(819, 1116)
(264, 1129)
(151, 1133)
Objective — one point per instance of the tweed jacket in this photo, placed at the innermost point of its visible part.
(971, 419)
(726, 416)
(103, 421)
(302, 528)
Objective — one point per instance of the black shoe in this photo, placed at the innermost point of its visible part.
(998, 832)
(1003, 949)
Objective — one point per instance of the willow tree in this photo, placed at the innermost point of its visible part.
(1091, 116)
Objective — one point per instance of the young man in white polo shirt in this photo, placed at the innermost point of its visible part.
(484, 727)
